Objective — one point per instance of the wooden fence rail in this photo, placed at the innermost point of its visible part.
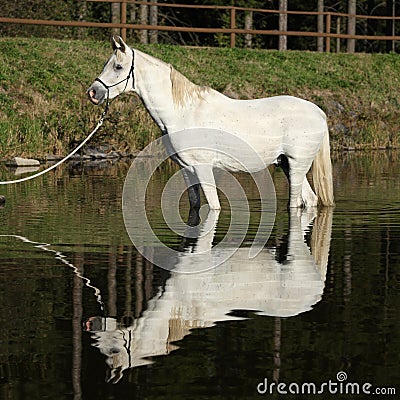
(123, 25)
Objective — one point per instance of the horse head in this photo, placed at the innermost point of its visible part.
(117, 75)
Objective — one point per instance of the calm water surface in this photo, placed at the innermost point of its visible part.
(85, 316)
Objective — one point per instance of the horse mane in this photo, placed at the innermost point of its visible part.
(183, 90)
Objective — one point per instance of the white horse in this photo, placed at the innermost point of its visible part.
(285, 130)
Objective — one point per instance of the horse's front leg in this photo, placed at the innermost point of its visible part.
(193, 187)
(205, 176)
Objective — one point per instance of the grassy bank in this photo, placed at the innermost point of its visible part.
(44, 109)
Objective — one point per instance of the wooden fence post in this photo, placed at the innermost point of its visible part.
(328, 31)
(123, 20)
(233, 26)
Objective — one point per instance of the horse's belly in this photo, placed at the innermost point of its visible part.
(218, 147)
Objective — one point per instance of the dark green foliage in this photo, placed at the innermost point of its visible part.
(70, 10)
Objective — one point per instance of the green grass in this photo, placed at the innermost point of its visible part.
(44, 109)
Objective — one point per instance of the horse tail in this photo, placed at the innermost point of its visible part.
(322, 173)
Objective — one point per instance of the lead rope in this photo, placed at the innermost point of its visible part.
(99, 124)
(61, 257)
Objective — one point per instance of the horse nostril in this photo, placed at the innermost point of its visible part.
(92, 96)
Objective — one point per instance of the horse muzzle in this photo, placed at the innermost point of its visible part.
(96, 94)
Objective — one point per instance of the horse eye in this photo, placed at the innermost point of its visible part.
(118, 66)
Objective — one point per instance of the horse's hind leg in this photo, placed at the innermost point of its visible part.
(301, 193)
(287, 166)
(310, 199)
(300, 190)
(283, 162)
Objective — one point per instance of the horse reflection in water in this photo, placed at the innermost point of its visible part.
(187, 301)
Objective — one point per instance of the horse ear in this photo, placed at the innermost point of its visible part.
(114, 43)
(122, 44)
(118, 44)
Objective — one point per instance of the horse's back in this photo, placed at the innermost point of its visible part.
(272, 125)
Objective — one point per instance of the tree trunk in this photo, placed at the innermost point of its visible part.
(82, 12)
(351, 27)
(248, 24)
(320, 40)
(390, 28)
(132, 13)
(131, 16)
(153, 21)
(338, 30)
(283, 24)
(115, 17)
(144, 16)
